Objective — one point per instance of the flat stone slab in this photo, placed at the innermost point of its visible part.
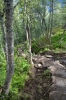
(55, 87)
(60, 72)
(59, 81)
(55, 95)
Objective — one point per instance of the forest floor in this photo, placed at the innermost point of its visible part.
(38, 85)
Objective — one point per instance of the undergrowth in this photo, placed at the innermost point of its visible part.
(19, 77)
(58, 44)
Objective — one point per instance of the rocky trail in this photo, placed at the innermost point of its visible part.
(48, 78)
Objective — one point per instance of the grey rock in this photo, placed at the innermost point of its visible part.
(55, 87)
(60, 72)
(57, 64)
(59, 81)
(55, 95)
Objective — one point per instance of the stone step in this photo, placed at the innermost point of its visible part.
(59, 81)
(55, 95)
(55, 87)
(58, 88)
(60, 72)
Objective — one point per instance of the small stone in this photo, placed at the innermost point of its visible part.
(48, 56)
(39, 65)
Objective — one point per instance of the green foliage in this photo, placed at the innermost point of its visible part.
(1, 6)
(2, 68)
(22, 47)
(35, 47)
(38, 44)
(47, 74)
(57, 42)
(41, 44)
(20, 76)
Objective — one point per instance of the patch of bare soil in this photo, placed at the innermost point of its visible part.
(37, 88)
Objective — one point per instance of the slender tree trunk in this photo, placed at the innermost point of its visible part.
(50, 20)
(10, 43)
(28, 33)
(25, 23)
(29, 48)
(4, 36)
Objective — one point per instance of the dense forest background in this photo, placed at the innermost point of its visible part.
(27, 28)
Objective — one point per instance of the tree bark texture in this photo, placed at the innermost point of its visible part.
(10, 43)
(4, 35)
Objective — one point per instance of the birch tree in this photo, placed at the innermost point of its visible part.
(10, 43)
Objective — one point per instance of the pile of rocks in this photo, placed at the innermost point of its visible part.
(41, 63)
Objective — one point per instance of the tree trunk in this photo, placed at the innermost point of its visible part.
(25, 23)
(50, 20)
(29, 46)
(28, 34)
(10, 43)
(4, 36)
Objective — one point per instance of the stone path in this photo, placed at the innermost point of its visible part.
(58, 87)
